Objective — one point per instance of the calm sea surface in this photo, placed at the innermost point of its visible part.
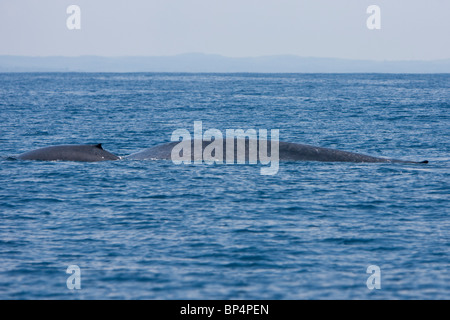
(154, 230)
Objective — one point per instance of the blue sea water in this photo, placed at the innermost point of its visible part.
(154, 230)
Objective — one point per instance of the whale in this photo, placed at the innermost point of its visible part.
(288, 151)
(78, 153)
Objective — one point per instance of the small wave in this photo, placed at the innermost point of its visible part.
(9, 158)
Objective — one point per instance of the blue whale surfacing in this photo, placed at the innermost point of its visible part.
(80, 153)
(287, 152)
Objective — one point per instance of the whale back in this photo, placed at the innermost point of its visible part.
(287, 152)
(81, 153)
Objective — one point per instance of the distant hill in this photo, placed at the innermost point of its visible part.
(215, 63)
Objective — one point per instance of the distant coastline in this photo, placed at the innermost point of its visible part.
(208, 63)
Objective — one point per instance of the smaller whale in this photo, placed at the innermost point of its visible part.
(81, 153)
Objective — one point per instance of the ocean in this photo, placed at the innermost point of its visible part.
(156, 230)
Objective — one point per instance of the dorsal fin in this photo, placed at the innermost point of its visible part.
(98, 146)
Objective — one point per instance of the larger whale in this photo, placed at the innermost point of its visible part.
(81, 153)
(287, 152)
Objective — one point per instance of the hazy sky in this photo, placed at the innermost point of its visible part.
(410, 29)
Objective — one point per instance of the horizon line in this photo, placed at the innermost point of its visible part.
(223, 56)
